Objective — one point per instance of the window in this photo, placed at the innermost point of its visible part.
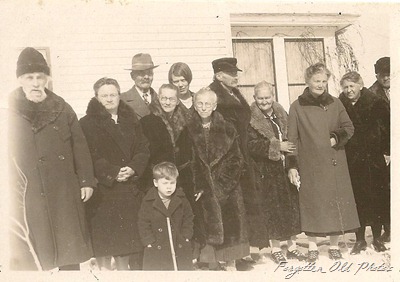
(255, 58)
(300, 54)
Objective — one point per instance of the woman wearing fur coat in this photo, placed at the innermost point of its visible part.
(120, 153)
(267, 146)
(217, 166)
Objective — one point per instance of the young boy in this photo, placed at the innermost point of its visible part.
(166, 223)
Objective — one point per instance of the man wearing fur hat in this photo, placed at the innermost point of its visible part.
(51, 174)
(381, 87)
(141, 94)
(234, 108)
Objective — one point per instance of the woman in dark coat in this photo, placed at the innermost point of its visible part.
(319, 126)
(120, 154)
(217, 166)
(267, 146)
(50, 172)
(165, 208)
(365, 156)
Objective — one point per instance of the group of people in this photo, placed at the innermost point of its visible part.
(158, 180)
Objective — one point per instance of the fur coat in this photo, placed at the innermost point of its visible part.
(49, 163)
(217, 174)
(326, 197)
(113, 211)
(280, 203)
(365, 158)
(237, 111)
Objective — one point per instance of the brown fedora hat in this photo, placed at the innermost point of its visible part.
(142, 61)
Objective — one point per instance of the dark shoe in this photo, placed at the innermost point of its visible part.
(335, 254)
(248, 260)
(385, 237)
(312, 256)
(378, 245)
(278, 257)
(215, 266)
(243, 265)
(358, 247)
(296, 254)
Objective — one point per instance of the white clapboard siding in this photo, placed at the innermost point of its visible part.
(90, 40)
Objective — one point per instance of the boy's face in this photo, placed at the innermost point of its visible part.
(166, 187)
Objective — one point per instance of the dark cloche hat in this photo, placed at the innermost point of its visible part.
(142, 61)
(382, 65)
(30, 60)
(225, 64)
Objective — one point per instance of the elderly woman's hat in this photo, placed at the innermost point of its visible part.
(382, 65)
(142, 61)
(30, 60)
(225, 65)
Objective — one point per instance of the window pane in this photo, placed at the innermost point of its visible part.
(255, 58)
(300, 55)
(295, 91)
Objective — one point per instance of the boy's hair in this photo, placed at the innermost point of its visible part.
(165, 170)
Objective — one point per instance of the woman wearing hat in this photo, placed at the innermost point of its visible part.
(120, 154)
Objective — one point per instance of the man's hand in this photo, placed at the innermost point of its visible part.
(86, 193)
(333, 142)
(287, 146)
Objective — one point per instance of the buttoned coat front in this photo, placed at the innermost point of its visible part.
(153, 230)
(49, 163)
(113, 211)
(326, 196)
(132, 99)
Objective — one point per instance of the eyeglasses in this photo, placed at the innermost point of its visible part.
(206, 104)
(165, 99)
(105, 96)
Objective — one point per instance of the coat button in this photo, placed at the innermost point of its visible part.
(61, 157)
(159, 247)
(42, 159)
(159, 229)
(109, 177)
(55, 127)
(42, 194)
(123, 160)
(334, 162)
(179, 246)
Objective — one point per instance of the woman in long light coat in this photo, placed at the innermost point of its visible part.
(319, 126)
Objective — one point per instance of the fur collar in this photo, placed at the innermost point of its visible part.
(176, 123)
(221, 137)
(126, 116)
(259, 123)
(306, 99)
(225, 100)
(38, 114)
(364, 101)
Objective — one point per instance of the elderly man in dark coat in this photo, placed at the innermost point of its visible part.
(235, 109)
(120, 154)
(381, 87)
(365, 156)
(141, 94)
(51, 174)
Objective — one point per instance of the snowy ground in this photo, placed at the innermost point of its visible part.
(367, 264)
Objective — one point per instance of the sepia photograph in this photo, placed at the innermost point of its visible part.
(189, 140)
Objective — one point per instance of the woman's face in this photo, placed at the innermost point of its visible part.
(181, 83)
(168, 100)
(317, 83)
(264, 99)
(205, 104)
(108, 96)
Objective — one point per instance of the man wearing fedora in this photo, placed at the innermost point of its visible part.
(381, 88)
(50, 173)
(141, 94)
(234, 108)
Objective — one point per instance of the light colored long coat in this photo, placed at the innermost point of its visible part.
(326, 197)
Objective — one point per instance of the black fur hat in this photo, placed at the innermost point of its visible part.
(30, 60)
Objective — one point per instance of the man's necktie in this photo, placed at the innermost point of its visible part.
(146, 98)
